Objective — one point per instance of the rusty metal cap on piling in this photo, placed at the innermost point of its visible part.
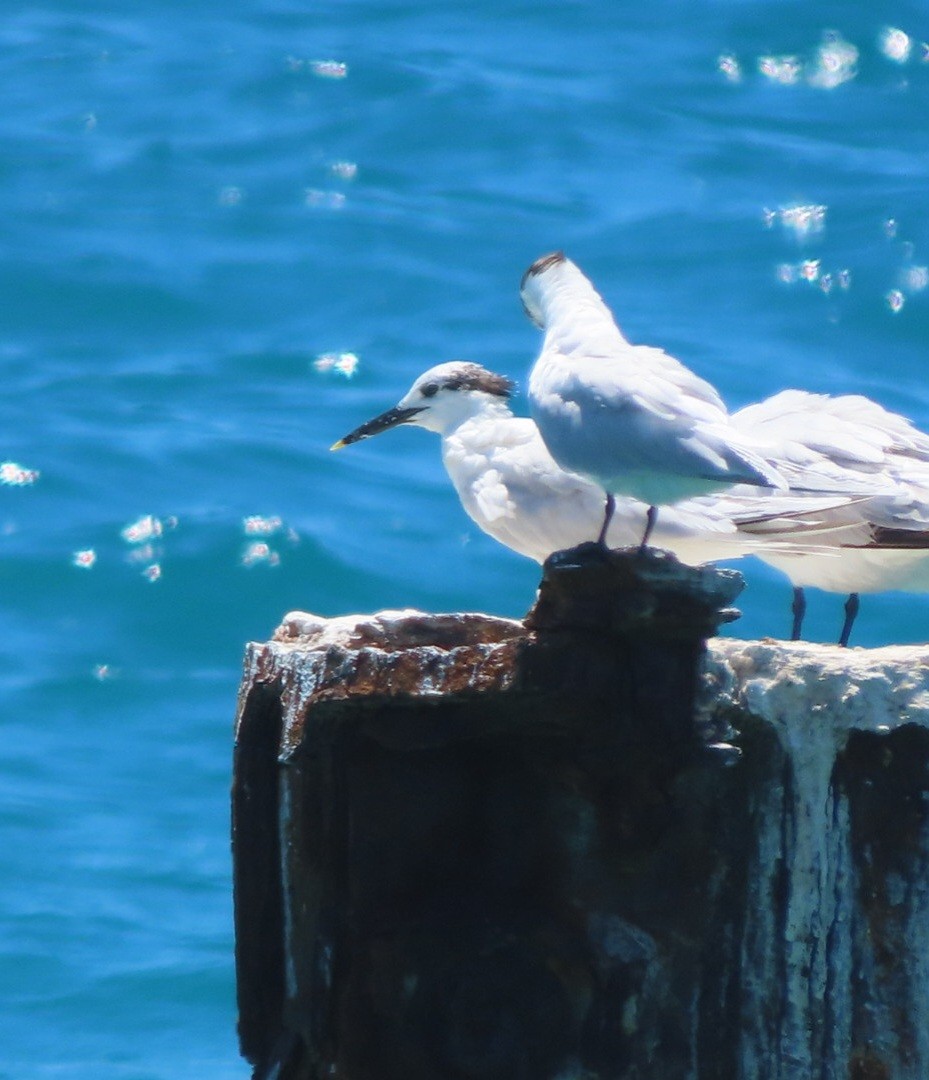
(632, 593)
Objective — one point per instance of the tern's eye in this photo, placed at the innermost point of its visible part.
(430, 389)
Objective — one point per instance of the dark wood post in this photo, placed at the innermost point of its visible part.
(468, 847)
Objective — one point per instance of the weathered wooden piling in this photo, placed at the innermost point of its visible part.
(469, 847)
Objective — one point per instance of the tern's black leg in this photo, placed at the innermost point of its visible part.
(650, 519)
(851, 610)
(607, 518)
(799, 610)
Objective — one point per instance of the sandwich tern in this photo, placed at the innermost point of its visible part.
(629, 418)
(878, 540)
(512, 488)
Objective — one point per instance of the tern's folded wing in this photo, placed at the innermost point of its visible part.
(847, 431)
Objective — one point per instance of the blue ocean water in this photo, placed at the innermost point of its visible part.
(210, 213)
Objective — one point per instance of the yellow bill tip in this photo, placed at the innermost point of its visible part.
(338, 445)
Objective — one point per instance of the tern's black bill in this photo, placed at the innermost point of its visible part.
(386, 420)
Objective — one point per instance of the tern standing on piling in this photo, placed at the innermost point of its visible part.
(879, 539)
(512, 488)
(629, 418)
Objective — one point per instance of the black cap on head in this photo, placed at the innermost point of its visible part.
(542, 264)
(468, 376)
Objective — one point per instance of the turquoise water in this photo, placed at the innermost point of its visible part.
(201, 204)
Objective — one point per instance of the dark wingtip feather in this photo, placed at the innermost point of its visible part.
(909, 539)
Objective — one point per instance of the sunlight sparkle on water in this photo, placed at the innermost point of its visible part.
(256, 525)
(143, 530)
(330, 200)
(16, 476)
(260, 552)
(914, 278)
(811, 271)
(345, 364)
(835, 62)
(344, 170)
(730, 67)
(895, 44)
(895, 300)
(84, 559)
(785, 70)
(329, 69)
(801, 221)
